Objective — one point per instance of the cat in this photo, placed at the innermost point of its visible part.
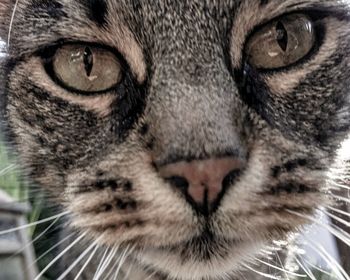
(181, 138)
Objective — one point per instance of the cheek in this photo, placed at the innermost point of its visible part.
(56, 129)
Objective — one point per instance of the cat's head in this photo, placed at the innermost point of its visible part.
(195, 131)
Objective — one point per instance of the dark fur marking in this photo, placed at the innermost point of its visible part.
(97, 11)
(126, 204)
(144, 129)
(290, 188)
(100, 173)
(51, 8)
(150, 144)
(178, 156)
(112, 184)
(264, 2)
(290, 166)
(114, 227)
(107, 184)
(106, 208)
(128, 186)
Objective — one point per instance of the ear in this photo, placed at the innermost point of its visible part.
(6, 10)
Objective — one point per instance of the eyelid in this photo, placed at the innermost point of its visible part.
(260, 57)
(246, 27)
(47, 52)
(69, 69)
(47, 55)
(319, 30)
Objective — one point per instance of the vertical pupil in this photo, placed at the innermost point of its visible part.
(282, 36)
(88, 61)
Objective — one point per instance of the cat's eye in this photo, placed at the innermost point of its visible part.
(85, 68)
(281, 43)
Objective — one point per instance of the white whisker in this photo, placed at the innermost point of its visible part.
(340, 198)
(60, 255)
(342, 235)
(101, 263)
(107, 262)
(74, 264)
(261, 273)
(306, 269)
(34, 224)
(52, 248)
(281, 263)
(122, 260)
(11, 23)
(149, 276)
(106, 255)
(317, 268)
(339, 211)
(126, 276)
(37, 238)
(281, 269)
(86, 263)
(112, 269)
(337, 186)
(336, 267)
(340, 220)
(8, 169)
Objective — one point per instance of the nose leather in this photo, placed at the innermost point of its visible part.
(204, 177)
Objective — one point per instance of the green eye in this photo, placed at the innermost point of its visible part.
(281, 43)
(86, 69)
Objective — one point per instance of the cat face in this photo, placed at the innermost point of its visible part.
(193, 131)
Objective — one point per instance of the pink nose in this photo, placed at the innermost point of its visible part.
(203, 181)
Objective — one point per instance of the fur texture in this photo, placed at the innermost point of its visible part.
(187, 94)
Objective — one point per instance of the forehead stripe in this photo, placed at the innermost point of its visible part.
(51, 8)
(264, 2)
(97, 11)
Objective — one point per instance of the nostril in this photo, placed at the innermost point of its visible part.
(178, 182)
(231, 178)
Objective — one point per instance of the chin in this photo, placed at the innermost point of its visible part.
(199, 258)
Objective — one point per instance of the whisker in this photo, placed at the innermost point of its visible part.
(306, 269)
(340, 220)
(122, 260)
(60, 255)
(74, 264)
(112, 268)
(281, 263)
(36, 238)
(86, 263)
(281, 269)
(340, 198)
(8, 169)
(261, 273)
(34, 224)
(317, 268)
(336, 267)
(339, 211)
(126, 276)
(52, 248)
(107, 262)
(11, 23)
(101, 262)
(149, 277)
(342, 235)
(337, 186)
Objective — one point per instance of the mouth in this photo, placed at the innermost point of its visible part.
(202, 256)
(203, 247)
